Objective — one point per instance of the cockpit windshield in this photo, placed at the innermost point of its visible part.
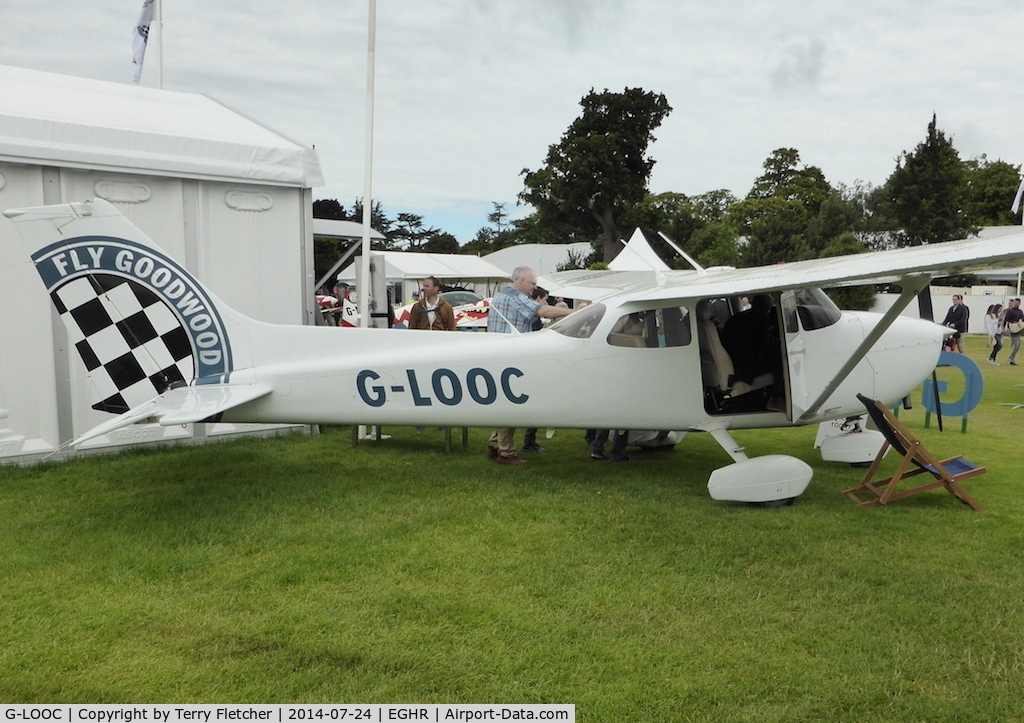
(581, 323)
(814, 309)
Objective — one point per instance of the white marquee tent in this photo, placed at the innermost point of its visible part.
(637, 255)
(227, 197)
(542, 258)
(451, 269)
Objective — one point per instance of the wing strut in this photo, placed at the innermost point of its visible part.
(912, 286)
(924, 308)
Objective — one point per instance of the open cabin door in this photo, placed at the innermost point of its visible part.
(794, 349)
(743, 355)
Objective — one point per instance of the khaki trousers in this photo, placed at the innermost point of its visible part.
(504, 440)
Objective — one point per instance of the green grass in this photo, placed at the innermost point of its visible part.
(298, 569)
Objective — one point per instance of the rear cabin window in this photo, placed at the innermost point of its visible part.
(653, 329)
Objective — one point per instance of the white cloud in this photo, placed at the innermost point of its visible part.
(469, 92)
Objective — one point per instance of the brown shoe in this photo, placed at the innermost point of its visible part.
(492, 452)
(510, 459)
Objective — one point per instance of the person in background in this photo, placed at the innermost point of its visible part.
(512, 309)
(619, 439)
(994, 328)
(530, 445)
(957, 318)
(431, 311)
(1013, 324)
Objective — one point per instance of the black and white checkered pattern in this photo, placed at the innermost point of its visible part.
(132, 344)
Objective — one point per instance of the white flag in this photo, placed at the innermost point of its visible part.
(139, 37)
(1016, 199)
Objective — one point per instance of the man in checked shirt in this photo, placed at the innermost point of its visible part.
(512, 308)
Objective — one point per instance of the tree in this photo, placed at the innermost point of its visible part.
(716, 244)
(408, 232)
(782, 179)
(441, 243)
(599, 169)
(775, 228)
(927, 192)
(991, 186)
(482, 244)
(573, 260)
(849, 297)
(329, 208)
(777, 213)
(838, 214)
(378, 219)
(498, 234)
(498, 217)
(327, 251)
(673, 214)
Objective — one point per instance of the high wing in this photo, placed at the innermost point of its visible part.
(947, 258)
(911, 267)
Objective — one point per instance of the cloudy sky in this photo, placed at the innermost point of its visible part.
(470, 92)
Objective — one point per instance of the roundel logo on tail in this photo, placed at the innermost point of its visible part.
(139, 321)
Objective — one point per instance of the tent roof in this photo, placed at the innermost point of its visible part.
(416, 265)
(59, 120)
(542, 258)
(637, 255)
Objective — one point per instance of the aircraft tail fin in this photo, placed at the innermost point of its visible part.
(141, 323)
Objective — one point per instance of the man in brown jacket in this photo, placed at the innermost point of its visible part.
(431, 311)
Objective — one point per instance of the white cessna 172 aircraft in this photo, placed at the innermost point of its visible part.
(159, 347)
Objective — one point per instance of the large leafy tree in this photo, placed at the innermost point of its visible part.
(600, 168)
(775, 228)
(849, 297)
(329, 208)
(684, 219)
(409, 234)
(441, 242)
(991, 185)
(776, 214)
(840, 213)
(926, 192)
(673, 214)
(783, 179)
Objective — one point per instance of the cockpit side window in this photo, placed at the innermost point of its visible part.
(653, 329)
(581, 323)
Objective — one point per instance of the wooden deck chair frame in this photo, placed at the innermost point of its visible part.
(915, 460)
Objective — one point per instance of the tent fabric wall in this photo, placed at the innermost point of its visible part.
(243, 227)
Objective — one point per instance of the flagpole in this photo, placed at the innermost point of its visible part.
(160, 44)
(1015, 206)
(371, 50)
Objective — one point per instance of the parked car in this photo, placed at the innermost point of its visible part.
(461, 297)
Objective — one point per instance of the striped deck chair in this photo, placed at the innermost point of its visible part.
(915, 460)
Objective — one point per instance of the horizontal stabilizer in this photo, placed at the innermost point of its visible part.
(182, 405)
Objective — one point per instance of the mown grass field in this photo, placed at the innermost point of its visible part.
(300, 569)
